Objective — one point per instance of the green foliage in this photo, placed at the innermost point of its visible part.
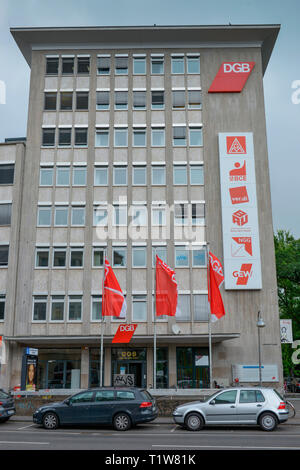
(287, 253)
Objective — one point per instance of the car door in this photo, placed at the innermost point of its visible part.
(222, 408)
(101, 409)
(249, 404)
(77, 411)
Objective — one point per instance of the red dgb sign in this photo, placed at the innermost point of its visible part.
(231, 77)
(124, 333)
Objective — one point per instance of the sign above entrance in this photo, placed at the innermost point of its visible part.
(231, 77)
(124, 333)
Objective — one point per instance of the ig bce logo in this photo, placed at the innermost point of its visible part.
(2, 92)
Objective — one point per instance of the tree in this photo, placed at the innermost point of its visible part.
(287, 253)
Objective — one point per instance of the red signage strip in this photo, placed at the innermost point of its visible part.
(231, 77)
(124, 333)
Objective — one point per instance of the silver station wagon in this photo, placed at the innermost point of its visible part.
(264, 407)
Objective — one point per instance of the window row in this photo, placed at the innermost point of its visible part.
(60, 306)
(192, 99)
(80, 65)
(182, 136)
(62, 257)
(182, 175)
(184, 214)
(7, 171)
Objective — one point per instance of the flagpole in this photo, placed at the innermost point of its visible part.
(102, 326)
(209, 319)
(154, 339)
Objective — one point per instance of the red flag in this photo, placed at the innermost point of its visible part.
(215, 279)
(166, 289)
(113, 300)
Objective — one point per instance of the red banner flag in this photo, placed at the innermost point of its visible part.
(166, 289)
(113, 300)
(215, 279)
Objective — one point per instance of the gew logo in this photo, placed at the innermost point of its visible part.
(2, 92)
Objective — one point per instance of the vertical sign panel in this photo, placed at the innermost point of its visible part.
(242, 264)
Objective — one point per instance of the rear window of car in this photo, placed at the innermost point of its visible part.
(125, 395)
(146, 395)
(3, 395)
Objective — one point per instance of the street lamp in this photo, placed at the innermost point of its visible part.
(260, 324)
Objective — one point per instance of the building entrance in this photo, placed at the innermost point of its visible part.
(130, 362)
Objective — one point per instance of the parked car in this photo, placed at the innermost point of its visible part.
(7, 406)
(121, 407)
(234, 406)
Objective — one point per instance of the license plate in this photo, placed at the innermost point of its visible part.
(10, 412)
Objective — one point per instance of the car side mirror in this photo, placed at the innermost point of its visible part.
(212, 402)
(67, 401)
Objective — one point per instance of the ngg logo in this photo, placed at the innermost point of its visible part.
(243, 275)
(236, 67)
(231, 77)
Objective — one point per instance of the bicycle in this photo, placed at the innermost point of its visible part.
(291, 408)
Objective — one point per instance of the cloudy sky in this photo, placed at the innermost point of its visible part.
(283, 72)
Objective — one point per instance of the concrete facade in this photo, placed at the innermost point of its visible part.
(235, 336)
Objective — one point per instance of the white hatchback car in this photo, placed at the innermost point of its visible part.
(235, 406)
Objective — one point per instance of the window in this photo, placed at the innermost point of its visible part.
(42, 258)
(125, 395)
(192, 367)
(139, 257)
(121, 99)
(121, 64)
(181, 257)
(64, 137)
(98, 257)
(139, 308)
(195, 99)
(106, 395)
(76, 258)
(181, 214)
(48, 137)
(96, 308)
(179, 135)
(102, 138)
(5, 214)
(139, 176)
(183, 312)
(82, 100)
(2, 307)
(180, 174)
(139, 215)
(193, 64)
(44, 216)
(201, 307)
(161, 252)
(103, 65)
(158, 137)
(178, 64)
(139, 137)
(51, 65)
(102, 100)
(196, 136)
(158, 216)
(198, 214)
(158, 175)
(59, 257)
(226, 398)
(57, 307)
(79, 175)
(62, 176)
(4, 250)
(78, 216)
(119, 257)
(248, 396)
(84, 397)
(101, 176)
(66, 101)
(39, 308)
(83, 65)
(196, 174)
(75, 307)
(67, 65)
(100, 216)
(199, 257)
(120, 215)
(139, 65)
(7, 173)
(178, 99)
(61, 216)
(158, 99)
(157, 65)
(121, 137)
(46, 176)
(50, 101)
(139, 100)
(81, 137)
(120, 175)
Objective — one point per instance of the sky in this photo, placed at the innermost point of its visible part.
(281, 80)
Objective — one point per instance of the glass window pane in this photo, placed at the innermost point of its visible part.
(180, 174)
(4, 250)
(67, 65)
(121, 137)
(178, 99)
(62, 176)
(96, 308)
(120, 215)
(83, 65)
(139, 100)
(59, 258)
(195, 99)
(139, 138)
(196, 137)
(100, 216)
(178, 65)
(82, 100)
(199, 257)
(102, 138)
(157, 66)
(196, 172)
(52, 65)
(81, 137)
(75, 308)
(101, 176)
(179, 135)
(139, 257)
(76, 258)
(181, 257)
(139, 308)
(61, 216)
(157, 100)
(42, 258)
(120, 176)
(201, 307)
(44, 216)
(102, 100)
(98, 256)
(103, 65)
(161, 252)
(64, 137)
(139, 65)
(48, 138)
(50, 101)
(79, 176)
(158, 175)
(57, 308)
(78, 216)
(158, 216)
(119, 257)
(121, 64)
(139, 175)
(139, 215)
(39, 308)
(121, 100)
(193, 64)
(46, 176)
(66, 99)
(224, 398)
(183, 312)
(158, 137)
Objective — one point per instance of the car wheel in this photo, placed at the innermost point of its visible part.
(50, 421)
(194, 422)
(267, 422)
(122, 422)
